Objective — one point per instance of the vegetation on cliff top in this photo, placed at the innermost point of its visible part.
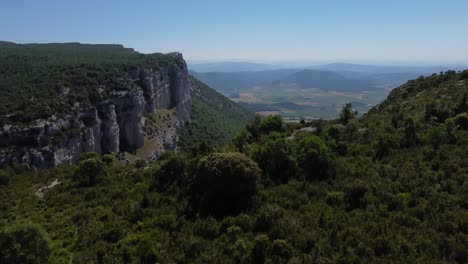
(390, 187)
(41, 80)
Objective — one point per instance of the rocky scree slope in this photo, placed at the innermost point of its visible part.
(60, 100)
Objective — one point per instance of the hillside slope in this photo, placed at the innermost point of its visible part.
(433, 98)
(389, 187)
(215, 120)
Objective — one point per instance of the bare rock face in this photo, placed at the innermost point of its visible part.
(112, 125)
(129, 110)
(110, 140)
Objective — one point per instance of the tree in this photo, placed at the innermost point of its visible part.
(225, 184)
(351, 128)
(462, 121)
(347, 113)
(436, 137)
(411, 138)
(5, 177)
(355, 193)
(314, 158)
(90, 171)
(24, 244)
(437, 111)
(274, 157)
(385, 144)
(253, 126)
(168, 171)
(463, 104)
(241, 140)
(272, 124)
(336, 132)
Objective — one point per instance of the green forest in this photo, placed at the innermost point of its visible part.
(388, 187)
(32, 76)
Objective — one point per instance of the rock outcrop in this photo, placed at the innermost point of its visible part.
(111, 125)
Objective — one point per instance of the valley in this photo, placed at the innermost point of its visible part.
(312, 93)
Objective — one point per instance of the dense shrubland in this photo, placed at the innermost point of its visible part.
(390, 187)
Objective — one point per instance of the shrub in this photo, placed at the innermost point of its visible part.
(168, 171)
(90, 171)
(225, 184)
(24, 244)
(355, 193)
(462, 121)
(272, 124)
(347, 113)
(275, 159)
(260, 249)
(335, 198)
(5, 177)
(314, 157)
(281, 249)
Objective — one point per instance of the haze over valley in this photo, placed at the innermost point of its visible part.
(309, 92)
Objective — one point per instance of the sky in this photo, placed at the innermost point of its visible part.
(359, 31)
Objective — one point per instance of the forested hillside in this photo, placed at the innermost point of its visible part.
(215, 119)
(389, 187)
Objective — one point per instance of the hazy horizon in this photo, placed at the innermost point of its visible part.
(422, 33)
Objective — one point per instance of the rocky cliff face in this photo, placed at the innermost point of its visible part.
(115, 124)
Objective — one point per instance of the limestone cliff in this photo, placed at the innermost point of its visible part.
(114, 124)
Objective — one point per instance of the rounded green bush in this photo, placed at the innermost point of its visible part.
(225, 184)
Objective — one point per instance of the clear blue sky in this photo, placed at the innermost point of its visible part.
(409, 31)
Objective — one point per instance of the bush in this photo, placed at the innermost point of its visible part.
(275, 158)
(462, 121)
(90, 171)
(272, 124)
(314, 157)
(260, 249)
(24, 244)
(225, 184)
(5, 177)
(281, 249)
(168, 171)
(355, 193)
(335, 198)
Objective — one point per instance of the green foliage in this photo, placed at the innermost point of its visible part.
(314, 158)
(24, 244)
(438, 112)
(33, 77)
(275, 157)
(271, 124)
(5, 177)
(436, 136)
(214, 119)
(225, 184)
(411, 138)
(347, 114)
(385, 144)
(91, 170)
(462, 121)
(398, 194)
(168, 172)
(355, 194)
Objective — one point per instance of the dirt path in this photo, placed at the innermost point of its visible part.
(40, 191)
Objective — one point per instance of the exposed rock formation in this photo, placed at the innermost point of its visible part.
(112, 125)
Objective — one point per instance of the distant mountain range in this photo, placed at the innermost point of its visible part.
(232, 67)
(226, 76)
(325, 80)
(372, 69)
